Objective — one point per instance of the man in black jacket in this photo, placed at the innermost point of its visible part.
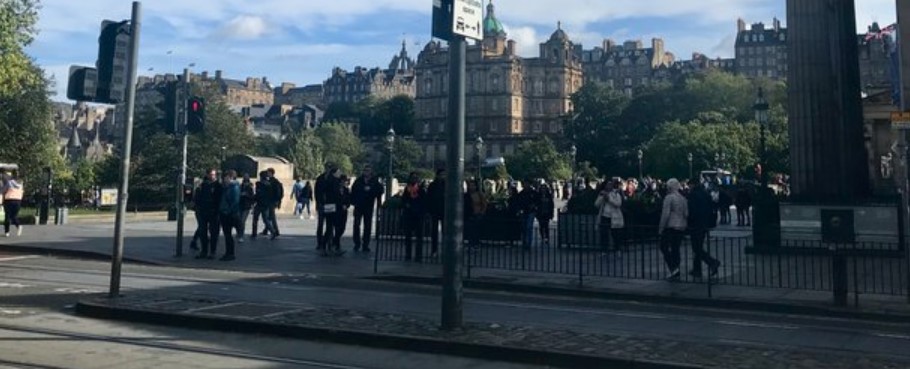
(206, 201)
(319, 193)
(364, 195)
(263, 199)
(277, 196)
(701, 220)
(436, 195)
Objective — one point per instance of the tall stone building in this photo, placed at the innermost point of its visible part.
(351, 87)
(761, 51)
(627, 66)
(875, 59)
(510, 99)
(290, 94)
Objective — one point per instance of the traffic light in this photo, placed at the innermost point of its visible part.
(195, 114)
(168, 105)
(82, 83)
(113, 61)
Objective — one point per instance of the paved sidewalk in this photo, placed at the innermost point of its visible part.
(293, 254)
(544, 343)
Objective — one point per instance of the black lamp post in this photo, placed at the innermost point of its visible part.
(223, 149)
(761, 116)
(573, 151)
(390, 145)
(641, 156)
(478, 147)
(689, 157)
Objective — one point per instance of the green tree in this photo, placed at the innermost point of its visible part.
(666, 154)
(18, 20)
(539, 159)
(306, 152)
(596, 124)
(341, 146)
(406, 155)
(397, 113)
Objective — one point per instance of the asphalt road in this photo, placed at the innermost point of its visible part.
(37, 329)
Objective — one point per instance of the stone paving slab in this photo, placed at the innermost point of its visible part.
(636, 349)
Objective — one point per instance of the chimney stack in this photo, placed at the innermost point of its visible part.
(218, 75)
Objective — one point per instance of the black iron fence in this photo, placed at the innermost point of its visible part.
(575, 248)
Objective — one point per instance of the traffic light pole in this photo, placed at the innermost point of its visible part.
(123, 190)
(453, 225)
(181, 179)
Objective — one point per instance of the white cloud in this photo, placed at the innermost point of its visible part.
(244, 27)
(526, 40)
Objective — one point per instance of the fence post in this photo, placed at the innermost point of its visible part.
(839, 277)
(710, 277)
(379, 224)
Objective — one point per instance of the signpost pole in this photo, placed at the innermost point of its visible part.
(454, 225)
(903, 14)
(123, 190)
(181, 179)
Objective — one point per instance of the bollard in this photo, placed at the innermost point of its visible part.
(839, 279)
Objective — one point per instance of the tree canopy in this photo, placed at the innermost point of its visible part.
(539, 159)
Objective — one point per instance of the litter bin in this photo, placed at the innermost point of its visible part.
(61, 216)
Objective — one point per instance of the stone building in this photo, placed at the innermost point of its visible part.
(761, 51)
(875, 59)
(290, 94)
(353, 86)
(510, 99)
(627, 66)
(699, 63)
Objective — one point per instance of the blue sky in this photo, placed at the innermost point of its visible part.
(300, 41)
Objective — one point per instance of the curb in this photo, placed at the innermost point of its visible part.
(715, 303)
(370, 339)
(79, 254)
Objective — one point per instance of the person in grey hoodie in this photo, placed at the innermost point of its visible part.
(672, 228)
(229, 212)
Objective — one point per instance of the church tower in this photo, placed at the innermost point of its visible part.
(494, 34)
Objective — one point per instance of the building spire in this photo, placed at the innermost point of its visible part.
(558, 24)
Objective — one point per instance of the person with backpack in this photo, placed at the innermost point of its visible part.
(295, 191)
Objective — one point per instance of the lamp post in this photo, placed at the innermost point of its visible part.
(573, 151)
(641, 156)
(761, 116)
(478, 148)
(689, 157)
(390, 145)
(223, 150)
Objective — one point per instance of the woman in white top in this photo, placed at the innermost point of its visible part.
(673, 223)
(12, 192)
(609, 203)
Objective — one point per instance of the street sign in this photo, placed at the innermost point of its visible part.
(900, 120)
(442, 19)
(468, 19)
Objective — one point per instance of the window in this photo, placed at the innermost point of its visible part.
(644, 80)
(495, 105)
(628, 82)
(494, 82)
(494, 127)
(538, 127)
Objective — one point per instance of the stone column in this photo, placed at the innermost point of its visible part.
(827, 156)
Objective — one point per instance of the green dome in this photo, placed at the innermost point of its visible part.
(491, 25)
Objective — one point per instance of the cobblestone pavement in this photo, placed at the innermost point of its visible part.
(727, 356)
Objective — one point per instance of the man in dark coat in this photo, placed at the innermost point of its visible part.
(263, 197)
(413, 210)
(365, 193)
(701, 220)
(319, 193)
(277, 196)
(207, 200)
(436, 196)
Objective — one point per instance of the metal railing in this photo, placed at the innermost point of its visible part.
(575, 249)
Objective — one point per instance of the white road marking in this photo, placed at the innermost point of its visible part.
(13, 285)
(17, 258)
(757, 325)
(897, 336)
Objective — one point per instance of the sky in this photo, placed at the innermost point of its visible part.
(300, 41)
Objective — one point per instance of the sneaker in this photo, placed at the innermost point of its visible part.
(339, 252)
(253, 236)
(227, 258)
(7, 235)
(311, 217)
(240, 240)
(674, 275)
(193, 246)
(712, 270)
(18, 231)
(356, 248)
(274, 236)
(301, 217)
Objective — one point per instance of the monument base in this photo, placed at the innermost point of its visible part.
(841, 224)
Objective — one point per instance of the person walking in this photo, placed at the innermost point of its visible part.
(206, 201)
(475, 208)
(365, 194)
(277, 197)
(229, 212)
(307, 195)
(436, 196)
(700, 222)
(743, 203)
(725, 202)
(247, 200)
(263, 198)
(12, 192)
(525, 205)
(546, 209)
(609, 203)
(673, 223)
(413, 203)
(341, 219)
(295, 192)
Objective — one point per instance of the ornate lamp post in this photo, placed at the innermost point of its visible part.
(761, 116)
(641, 155)
(689, 157)
(478, 148)
(390, 145)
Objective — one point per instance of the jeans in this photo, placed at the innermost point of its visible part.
(320, 230)
(273, 219)
(413, 227)
(544, 225)
(364, 216)
(698, 237)
(340, 225)
(11, 208)
(228, 223)
(211, 226)
(262, 210)
(303, 204)
(241, 224)
(669, 246)
(528, 230)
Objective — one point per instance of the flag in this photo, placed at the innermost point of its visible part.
(880, 34)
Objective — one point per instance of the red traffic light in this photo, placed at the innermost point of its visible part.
(196, 105)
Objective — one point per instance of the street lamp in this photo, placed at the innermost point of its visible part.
(223, 149)
(689, 157)
(390, 145)
(641, 155)
(761, 116)
(573, 151)
(478, 147)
